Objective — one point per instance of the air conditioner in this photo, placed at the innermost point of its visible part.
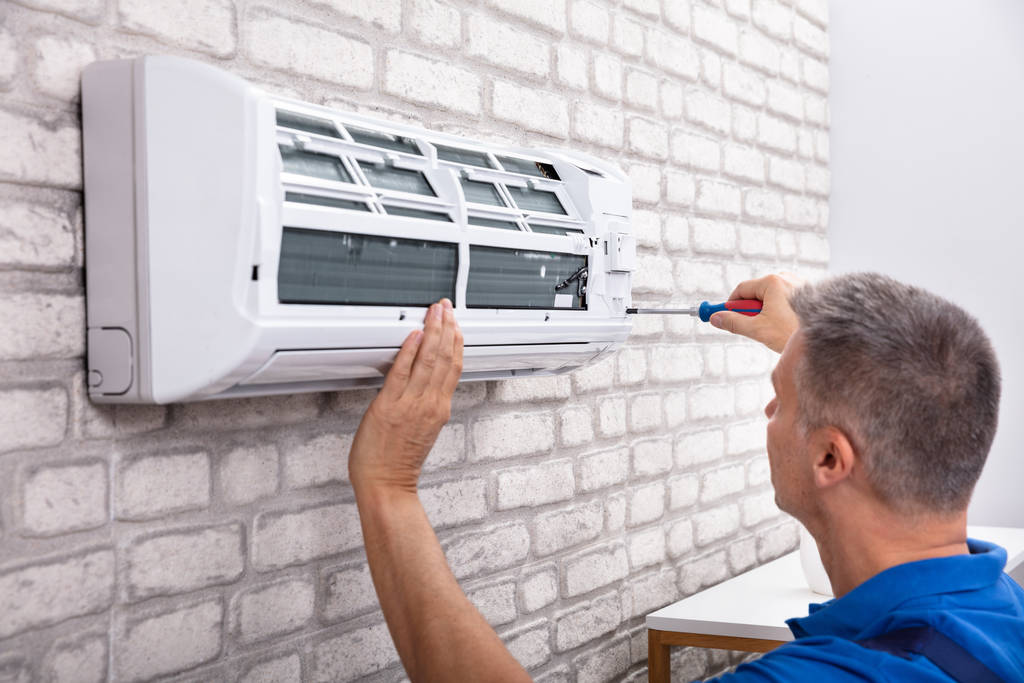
(242, 244)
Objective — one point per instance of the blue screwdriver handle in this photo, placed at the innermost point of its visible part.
(745, 306)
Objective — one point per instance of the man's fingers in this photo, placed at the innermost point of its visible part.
(751, 289)
(426, 358)
(737, 323)
(445, 349)
(455, 371)
(398, 376)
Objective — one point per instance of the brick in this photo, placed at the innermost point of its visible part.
(801, 212)
(744, 84)
(649, 8)
(758, 51)
(487, 551)
(696, 151)
(151, 486)
(513, 434)
(677, 56)
(273, 610)
(772, 17)
(821, 146)
(719, 483)
(168, 642)
(507, 46)
(615, 512)
(646, 327)
(653, 275)
(680, 538)
(675, 408)
(718, 198)
(450, 446)
(348, 591)
(455, 502)
(317, 461)
(785, 100)
(496, 603)
(712, 236)
(32, 418)
(700, 447)
(287, 669)
(744, 360)
(533, 109)
(744, 123)
(627, 35)
(676, 363)
(180, 561)
(677, 233)
(776, 133)
(9, 59)
(78, 660)
(204, 25)
(385, 14)
(786, 173)
(819, 180)
(595, 376)
(248, 474)
(677, 15)
(716, 524)
(52, 590)
(535, 485)
(809, 37)
(604, 663)
(587, 622)
(814, 74)
(694, 276)
(789, 64)
(744, 163)
(571, 67)
(603, 469)
(59, 64)
(648, 138)
(652, 456)
(680, 188)
(577, 426)
(646, 181)
(431, 82)
(598, 123)
(708, 110)
(645, 412)
(764, 205)
(530, 646)
(44, 152)
(538, 590)
(531, 389)
(813, 248)
(632, 365)
(248, 413)
(714, 28)
(642, 89)
(281, 539)
(589, 21)
(757, 241)
(787, 244)
(777, 541)
(560, 529)
(648, 593)
(66, 497)
(711, 68)
(354, 655)
(738, 8)
(815, 10)
(711, 401)
(42, 325)
(547, 14)
(435, 23)
(595, 569)
(646, 503)
(758, 508)
(647, 547)
(672, 99)
(611, 417)
(714, 354)
(703, 572)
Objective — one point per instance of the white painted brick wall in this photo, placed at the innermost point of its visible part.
(220, 541)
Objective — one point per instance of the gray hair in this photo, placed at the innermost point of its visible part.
(909, 377)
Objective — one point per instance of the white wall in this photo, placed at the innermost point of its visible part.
(927, 145)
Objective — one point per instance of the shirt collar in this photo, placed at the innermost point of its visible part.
(849, 615)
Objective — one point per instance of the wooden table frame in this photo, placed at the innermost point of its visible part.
(659, 669)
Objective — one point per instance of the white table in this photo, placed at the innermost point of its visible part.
(748, 612)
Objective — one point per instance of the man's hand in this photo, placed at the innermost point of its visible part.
(776, 322)
(400, 426)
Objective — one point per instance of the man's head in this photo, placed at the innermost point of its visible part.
(908, 381)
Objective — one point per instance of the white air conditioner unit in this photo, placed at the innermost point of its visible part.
(241, 244)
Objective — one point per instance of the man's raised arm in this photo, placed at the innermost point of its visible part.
(439, 634)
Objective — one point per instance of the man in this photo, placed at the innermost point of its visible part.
(885, 406)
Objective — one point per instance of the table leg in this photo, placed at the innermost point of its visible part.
(658, 668)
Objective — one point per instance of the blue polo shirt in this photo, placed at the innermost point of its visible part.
(966, 597)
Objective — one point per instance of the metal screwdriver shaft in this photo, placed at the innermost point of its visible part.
(706, 310)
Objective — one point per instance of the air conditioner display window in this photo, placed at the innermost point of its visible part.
(324, 267)
(536, 200)
(319, 200)
(535, 168)
(418, 213)
(384, 140)
(307, 124)
(518, 278)
(313, 164)
(463, 156)
(401, 179)
(555, 230)
(481, 193)
(493, 223)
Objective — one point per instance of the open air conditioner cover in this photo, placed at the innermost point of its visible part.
(242, 244)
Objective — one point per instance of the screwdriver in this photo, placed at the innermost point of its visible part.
(706, 310)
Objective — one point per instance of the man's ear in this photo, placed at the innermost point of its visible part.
(833, 456)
